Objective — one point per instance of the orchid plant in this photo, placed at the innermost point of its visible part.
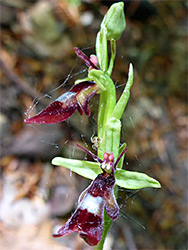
(97, 204)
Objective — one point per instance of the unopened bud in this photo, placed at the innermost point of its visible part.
(114, 21)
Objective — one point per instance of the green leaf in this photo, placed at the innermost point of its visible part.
(134, 180)
(86, 169)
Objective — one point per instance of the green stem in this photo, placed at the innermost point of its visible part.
(106, 227)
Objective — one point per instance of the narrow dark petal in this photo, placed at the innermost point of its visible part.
(119, 157)
(58, 111)
(82, 56)
(96, 158)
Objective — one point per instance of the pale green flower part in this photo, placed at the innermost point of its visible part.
(114, 21)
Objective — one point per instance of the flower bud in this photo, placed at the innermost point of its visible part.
(114, 21)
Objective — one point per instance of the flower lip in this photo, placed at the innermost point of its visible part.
(56, 112)
(67, 104)
(89, 223)
(66, 96)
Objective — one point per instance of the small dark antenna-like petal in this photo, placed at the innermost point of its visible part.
(96, 158)
(119, 157)
(82, 56)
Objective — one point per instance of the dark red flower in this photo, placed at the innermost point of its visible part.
(88, 218)
(66, 105)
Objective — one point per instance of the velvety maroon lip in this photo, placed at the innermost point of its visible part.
(65, 105)
(88, 224)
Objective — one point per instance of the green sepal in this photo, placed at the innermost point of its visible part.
(87, 169)
(90, 170)
(135, 180)
(98, 77)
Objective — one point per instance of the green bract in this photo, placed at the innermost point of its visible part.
(123, 100)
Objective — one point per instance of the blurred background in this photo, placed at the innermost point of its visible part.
(37, 56)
